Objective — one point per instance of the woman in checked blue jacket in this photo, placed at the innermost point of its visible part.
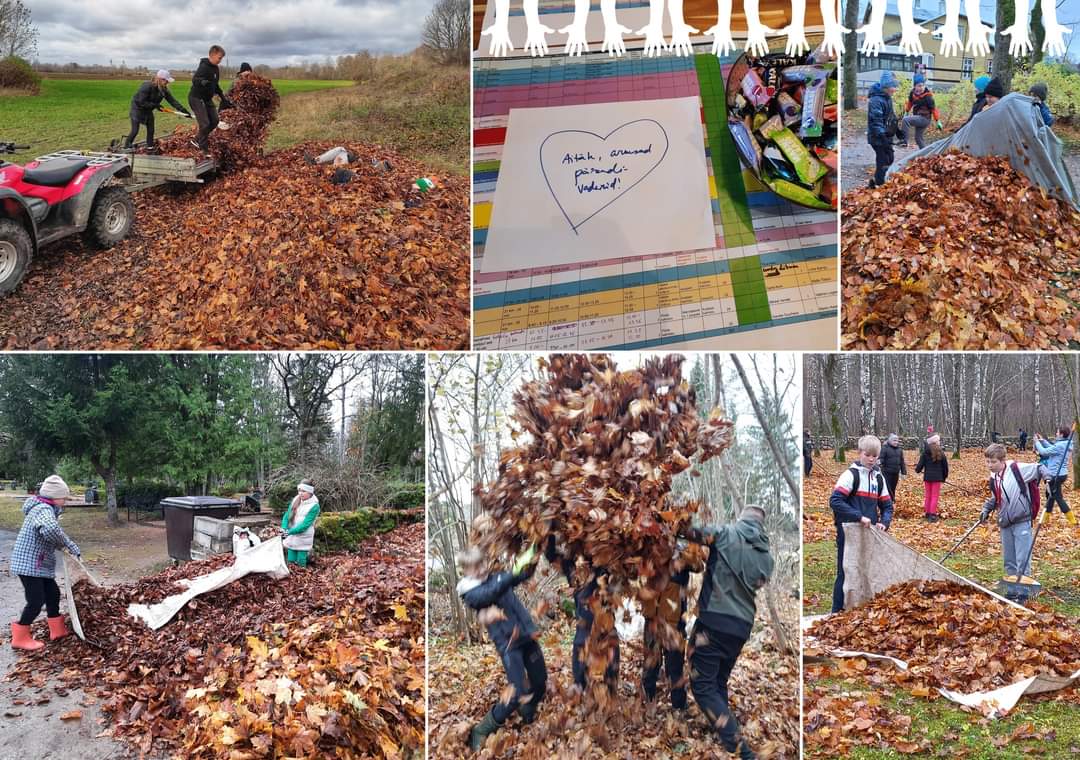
(34, 560)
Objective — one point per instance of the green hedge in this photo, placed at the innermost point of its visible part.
(406, 496)
(344, 531)
(143, 494)
(16, 74)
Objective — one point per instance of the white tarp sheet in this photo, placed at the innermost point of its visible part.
(73, 570)
(268, 557)
(1012, 127)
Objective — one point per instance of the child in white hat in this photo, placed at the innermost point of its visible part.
(34, 560)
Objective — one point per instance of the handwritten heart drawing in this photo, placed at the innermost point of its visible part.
(586, 172)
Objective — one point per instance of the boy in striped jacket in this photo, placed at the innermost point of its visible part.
(860, 495)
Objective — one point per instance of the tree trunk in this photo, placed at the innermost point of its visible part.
(851, 54)
(836, 426)
(1003, 60)
(781, 461)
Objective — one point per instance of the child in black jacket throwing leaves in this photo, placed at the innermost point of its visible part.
(513, 632)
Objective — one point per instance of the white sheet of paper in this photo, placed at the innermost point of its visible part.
(586, 182)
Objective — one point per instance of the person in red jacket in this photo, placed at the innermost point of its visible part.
(921, 112)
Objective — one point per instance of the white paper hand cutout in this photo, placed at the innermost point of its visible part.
(680, 30)
(721, 33)
(950, 33)
(755, 30)
(874, 40)
(613, 31)
(654, 31)
(536, 41)
(978, 32)
(576, 41)
(910, 44)
(499, 31)
(834, 32)
(1054, 41)
(796, 31)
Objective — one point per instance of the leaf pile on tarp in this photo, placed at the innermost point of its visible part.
(593, 473)
(959, 252)
(256, 103)
(270, 256)
(954, 637)
(310, 629)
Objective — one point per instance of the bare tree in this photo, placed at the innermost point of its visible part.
(18, 36)
(446, 31)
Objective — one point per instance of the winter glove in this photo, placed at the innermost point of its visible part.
(938, 123)
(525, 560)
(226, 104)
(985, 515)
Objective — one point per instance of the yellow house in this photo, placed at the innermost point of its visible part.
(942, 71)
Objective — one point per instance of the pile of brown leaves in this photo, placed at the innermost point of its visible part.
(270, 256)
(466, 681)
(959, 252)
(256, 102)
(954, 637)
(328, 662)
(595, 476)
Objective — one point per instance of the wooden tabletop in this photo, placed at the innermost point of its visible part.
(702, 14)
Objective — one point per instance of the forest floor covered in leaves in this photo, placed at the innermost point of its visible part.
(465, 680)
(328, 662)
(864, 709)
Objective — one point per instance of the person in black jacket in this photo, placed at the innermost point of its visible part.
(1023, 439)
(204, 86)
(244, 72)
(934, 466)
(584, 615)
(513, 632)
(146, 100)
(892, 463)
(807, 452)
(881, 124)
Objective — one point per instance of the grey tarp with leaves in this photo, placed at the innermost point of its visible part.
(1013, 128)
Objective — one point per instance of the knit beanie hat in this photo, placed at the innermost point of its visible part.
(54, 487)
(995, 88)
(920, 79)
(935, 438)
(1039, 90)
(888, 79)
(980, 83)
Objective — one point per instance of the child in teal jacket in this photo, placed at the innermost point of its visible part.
(299, 524)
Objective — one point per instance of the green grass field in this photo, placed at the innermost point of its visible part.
(85, 114)
(409, 104)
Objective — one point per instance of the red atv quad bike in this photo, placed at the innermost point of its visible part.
(55, 196)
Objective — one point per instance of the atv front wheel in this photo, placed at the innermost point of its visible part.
(111, 217)
(16, 250)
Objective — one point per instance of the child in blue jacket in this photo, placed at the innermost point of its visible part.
(513, 633)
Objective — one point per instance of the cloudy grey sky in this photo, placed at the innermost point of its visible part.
(176, 33)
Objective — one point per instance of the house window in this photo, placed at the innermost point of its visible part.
(990, 66)
(967, 68)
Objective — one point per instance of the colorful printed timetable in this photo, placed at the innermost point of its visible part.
(767, 276)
